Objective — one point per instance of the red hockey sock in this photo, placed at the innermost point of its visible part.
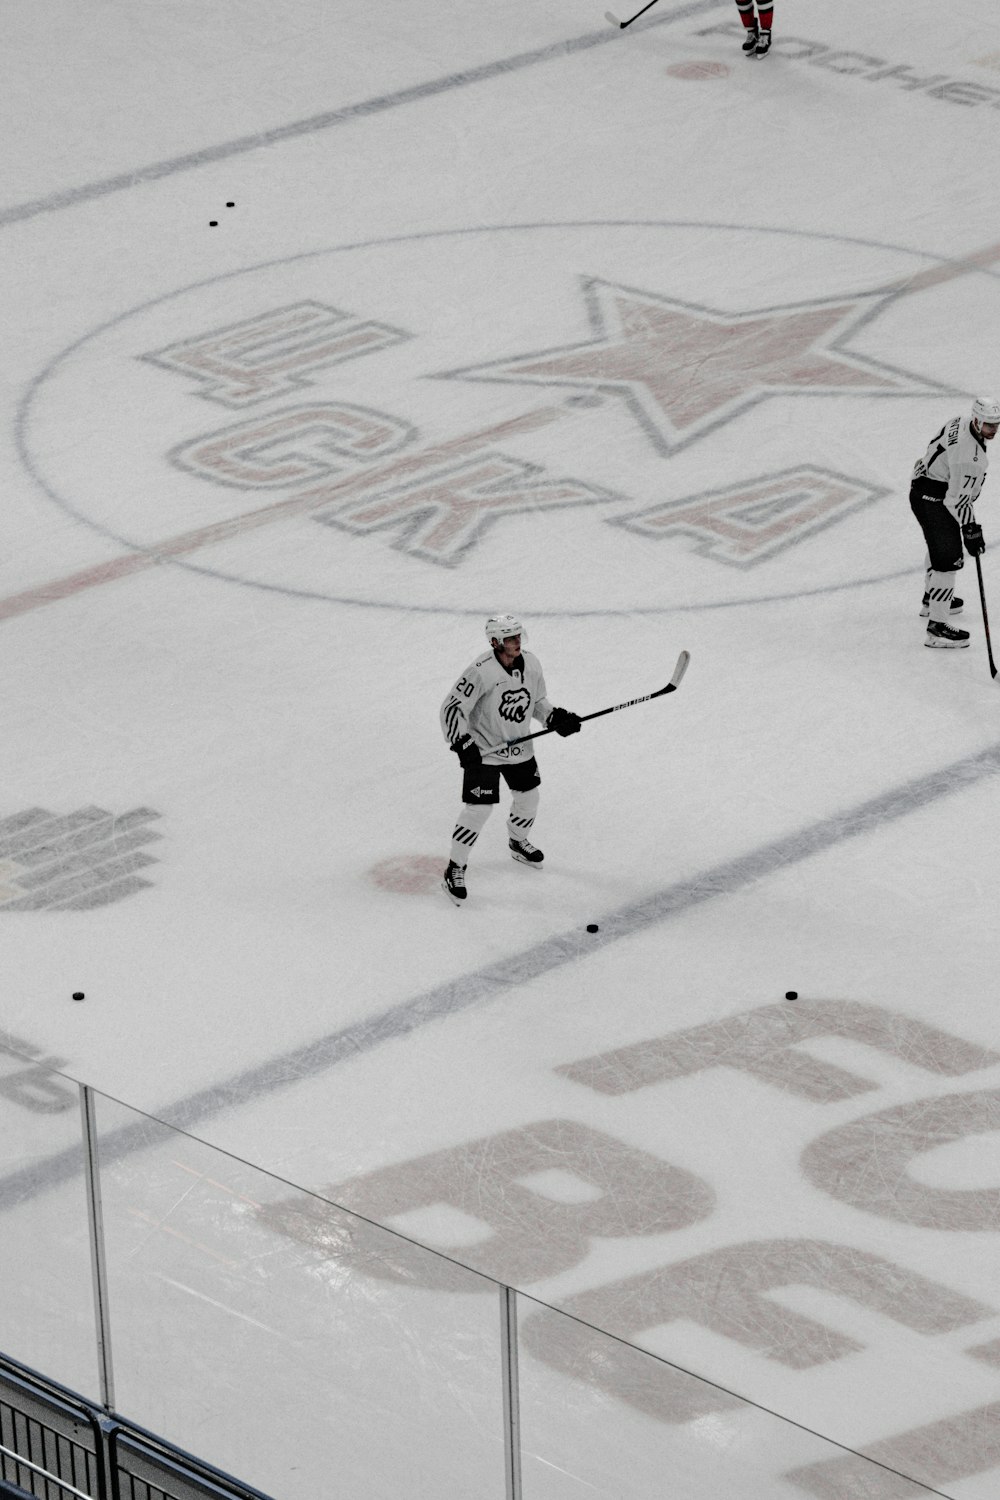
(766, 13)
(745, 8)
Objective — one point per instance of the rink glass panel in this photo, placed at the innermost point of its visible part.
(285, 1340)
(46, 1294)
(601, 1417)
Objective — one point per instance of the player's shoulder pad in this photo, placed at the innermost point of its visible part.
(483, 661)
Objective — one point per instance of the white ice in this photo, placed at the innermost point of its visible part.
(468, 188)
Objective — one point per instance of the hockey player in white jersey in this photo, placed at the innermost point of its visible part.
(494, 700)
(945, 486)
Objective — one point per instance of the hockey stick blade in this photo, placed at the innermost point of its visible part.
(679, 670)
(671, 687)
(622, 24)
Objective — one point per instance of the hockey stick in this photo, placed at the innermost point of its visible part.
(672, 686)
(986, 623)
(622, 24)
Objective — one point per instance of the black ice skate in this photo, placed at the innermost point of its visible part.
(750, 41)
(943, 635)
(525, 853)
(453, 883)
(763, 44)
(956, 606)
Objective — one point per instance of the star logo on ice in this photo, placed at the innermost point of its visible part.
(684, 370)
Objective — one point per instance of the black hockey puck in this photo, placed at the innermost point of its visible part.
(78, 994)
(591, 926)
(791, 994)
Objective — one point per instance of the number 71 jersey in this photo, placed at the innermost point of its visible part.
(493, 704)
(957, 457)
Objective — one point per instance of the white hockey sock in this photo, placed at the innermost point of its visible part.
(468, 828)
(523, 807)
(940, 587)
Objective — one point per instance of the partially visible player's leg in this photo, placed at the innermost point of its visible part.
(469, 825)
(523, 807)
(745, 8)
(943, 536)
(480, 793)
(764, 19)
(957, 604)
(524, 782)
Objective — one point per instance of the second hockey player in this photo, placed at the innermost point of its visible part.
(945, 486)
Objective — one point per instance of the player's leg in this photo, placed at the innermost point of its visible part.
(765, 15)
(943, 536)
(957, 604)
(745, 8)
(480, 793)
(524, 781)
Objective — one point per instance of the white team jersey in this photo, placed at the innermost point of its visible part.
(956, 456)
(494, 705)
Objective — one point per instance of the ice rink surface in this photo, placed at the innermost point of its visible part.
(640, 339)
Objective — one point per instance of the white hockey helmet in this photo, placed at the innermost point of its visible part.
(986, 409)
(499, 627)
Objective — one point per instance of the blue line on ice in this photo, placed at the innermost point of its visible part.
(497, 979)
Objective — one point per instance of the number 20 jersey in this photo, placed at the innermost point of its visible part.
(494, 705)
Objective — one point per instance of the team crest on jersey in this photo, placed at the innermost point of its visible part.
(569, 428)
(514, 704)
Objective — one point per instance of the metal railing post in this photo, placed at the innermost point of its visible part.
(511, 1395)
(98, 1262)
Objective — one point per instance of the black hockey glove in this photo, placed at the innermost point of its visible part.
(563, 721)
(468, 752)
(972, 536)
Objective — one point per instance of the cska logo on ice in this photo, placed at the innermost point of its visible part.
(658, 364)
(463, 400)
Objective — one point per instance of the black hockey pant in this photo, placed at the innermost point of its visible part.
(943, 536)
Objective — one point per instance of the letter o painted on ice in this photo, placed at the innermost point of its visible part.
(867, 1163)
